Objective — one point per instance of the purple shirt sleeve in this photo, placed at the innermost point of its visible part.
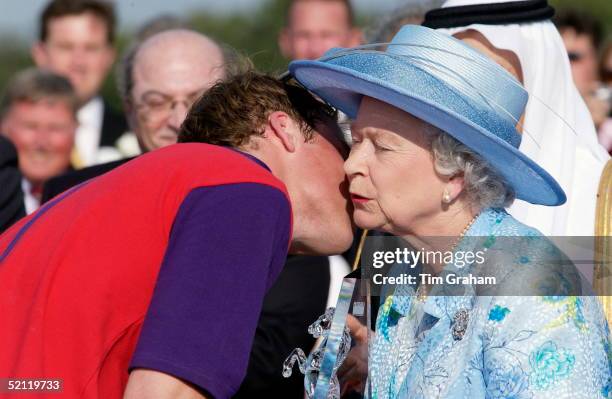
(227, 246)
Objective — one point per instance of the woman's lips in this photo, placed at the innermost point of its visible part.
(358, 199)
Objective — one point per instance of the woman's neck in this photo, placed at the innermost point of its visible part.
(443, 231)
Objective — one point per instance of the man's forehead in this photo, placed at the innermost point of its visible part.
(175, 74)
(330, 130)
(180, 59)
(63, 27)
(53, 109)
(319, 13)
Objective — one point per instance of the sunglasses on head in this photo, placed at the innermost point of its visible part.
(289, 79)
(341, 119)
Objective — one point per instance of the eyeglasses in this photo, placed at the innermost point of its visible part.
(158, 106)
(327, 108)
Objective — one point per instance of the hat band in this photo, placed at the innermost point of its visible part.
(406, 78)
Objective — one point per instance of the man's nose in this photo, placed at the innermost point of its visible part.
(317, 46)
(178, 113)
(42, 138)
(78, 59)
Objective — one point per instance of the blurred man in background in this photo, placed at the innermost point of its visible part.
(605, 72)
(163, 78)
(77, 40)
(38, 114)
(583, 35)
(159, 80)
(314, 26)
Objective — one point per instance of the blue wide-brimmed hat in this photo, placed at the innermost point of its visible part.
(446, 83)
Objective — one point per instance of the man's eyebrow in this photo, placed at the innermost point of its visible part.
(154, 92)
(159, 93)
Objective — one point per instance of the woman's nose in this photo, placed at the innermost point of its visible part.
(354, 164)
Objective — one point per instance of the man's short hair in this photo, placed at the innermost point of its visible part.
(34, 85)
(580, 22)
(346, 3)
(233, 111)
(61, 8)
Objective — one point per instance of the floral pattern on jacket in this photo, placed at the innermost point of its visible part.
(514, 347)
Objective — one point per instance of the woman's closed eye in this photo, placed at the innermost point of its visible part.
(380, 146)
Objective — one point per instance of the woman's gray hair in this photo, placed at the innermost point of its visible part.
(484, 187)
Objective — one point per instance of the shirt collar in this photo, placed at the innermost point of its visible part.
(90, 114)
(252, 158)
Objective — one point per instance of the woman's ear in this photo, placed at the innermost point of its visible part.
(455, 186)
(283, 127)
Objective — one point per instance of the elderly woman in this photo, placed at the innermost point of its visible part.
(434, 154)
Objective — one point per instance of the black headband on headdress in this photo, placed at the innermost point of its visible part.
(489, 14)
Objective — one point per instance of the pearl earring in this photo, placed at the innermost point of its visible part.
(446, 198)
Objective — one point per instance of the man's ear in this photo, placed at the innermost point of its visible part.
(284, 43)
(39, 54)
(130, 113)
(282, 127)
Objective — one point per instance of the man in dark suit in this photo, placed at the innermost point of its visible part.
(77, 40)
(11, 195)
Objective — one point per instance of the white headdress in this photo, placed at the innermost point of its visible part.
(558, 129)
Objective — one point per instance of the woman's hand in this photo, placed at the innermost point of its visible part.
(354, 371)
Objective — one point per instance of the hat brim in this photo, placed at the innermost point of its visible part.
(344, 88)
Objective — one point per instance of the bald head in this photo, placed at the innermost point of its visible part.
(169, 71)
(177, 52)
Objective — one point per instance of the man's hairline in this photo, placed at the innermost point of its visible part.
(107, 41)
(55, 99)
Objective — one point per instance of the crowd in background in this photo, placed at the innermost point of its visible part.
(76, 50)
(57, 131)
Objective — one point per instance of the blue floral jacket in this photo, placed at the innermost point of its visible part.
(510, 347)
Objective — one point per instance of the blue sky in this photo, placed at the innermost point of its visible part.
(19, 17)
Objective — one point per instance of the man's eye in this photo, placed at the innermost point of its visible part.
(64, 46)
(155, 103)
(93, 48)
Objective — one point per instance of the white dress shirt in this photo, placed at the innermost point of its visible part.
(88, 133)
(29, 200)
